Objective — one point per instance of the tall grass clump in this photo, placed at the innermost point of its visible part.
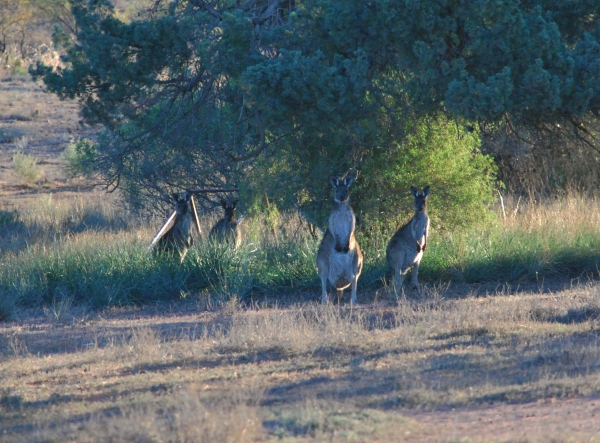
(26, 167)
(105, 268)
(101, 261)
(545, 239)
(92, 269)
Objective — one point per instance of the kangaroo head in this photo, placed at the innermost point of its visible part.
(229, 207)
(182, 204)
(420, 198)
(341, 188)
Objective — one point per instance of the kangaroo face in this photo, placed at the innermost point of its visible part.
(341, 188)
(182, 204)
(420, 198)
(229, 207)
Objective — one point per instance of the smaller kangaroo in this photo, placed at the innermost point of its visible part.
(226, 230)
(339, 258)
(179, 237)
(406, 247)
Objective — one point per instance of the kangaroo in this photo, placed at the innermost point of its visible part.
(179, 237)
(227, 230)
(339, 258)
(406, 247)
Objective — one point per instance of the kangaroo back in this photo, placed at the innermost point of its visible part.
(179, 237)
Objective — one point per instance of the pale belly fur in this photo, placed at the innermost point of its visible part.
(341, 269)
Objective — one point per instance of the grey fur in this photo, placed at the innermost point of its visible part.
(406, 247)
(339, 258)
(226, 230)
(179, 237)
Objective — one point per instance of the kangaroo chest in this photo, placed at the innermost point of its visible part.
(341, 226)
(419, 226)
(342, 221)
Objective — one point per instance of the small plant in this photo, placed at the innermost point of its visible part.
(61, 304)
(73, 157)
(26, 166)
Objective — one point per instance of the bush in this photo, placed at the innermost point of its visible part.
(26, 167)
(438, 153)
(74, 156)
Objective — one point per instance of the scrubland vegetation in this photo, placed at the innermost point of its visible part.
(95, 254)
(104, 342)
(100, 340)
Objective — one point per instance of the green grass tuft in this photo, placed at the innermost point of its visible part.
(110, 264)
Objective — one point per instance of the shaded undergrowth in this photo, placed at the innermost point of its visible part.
(99, 257)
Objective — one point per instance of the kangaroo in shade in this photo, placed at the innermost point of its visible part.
(339, 258)
(179, 237)
(226, 230)
(406, 247)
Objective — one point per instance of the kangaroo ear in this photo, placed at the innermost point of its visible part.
(414, 191)
(333, 181)
(223, 203)
(348, 181)
(425, 191)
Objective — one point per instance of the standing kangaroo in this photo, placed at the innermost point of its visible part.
(227, 230)
(179, 237)
(406, 247)
(339, 258)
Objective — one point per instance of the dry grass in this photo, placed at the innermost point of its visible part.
(456, 363)
(303, 373)
(47, 123)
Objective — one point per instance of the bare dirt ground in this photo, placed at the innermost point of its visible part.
(39, 124)
(460, 364)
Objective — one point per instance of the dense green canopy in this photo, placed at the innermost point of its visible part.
(276, 95)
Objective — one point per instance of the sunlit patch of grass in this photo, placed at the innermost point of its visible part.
(555, 239)
(94, 253)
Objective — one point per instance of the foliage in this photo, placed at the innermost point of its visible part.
(14, 17)
(26, 167)
(77, 157)
(268, 93)
(9, 219)
(438, 153)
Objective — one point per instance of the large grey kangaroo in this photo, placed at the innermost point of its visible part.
(339, 258)
(179, 237)
(226, 230)
(406, 247)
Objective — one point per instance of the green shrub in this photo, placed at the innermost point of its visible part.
(75, 157)
(438, 153)
(26, 167)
